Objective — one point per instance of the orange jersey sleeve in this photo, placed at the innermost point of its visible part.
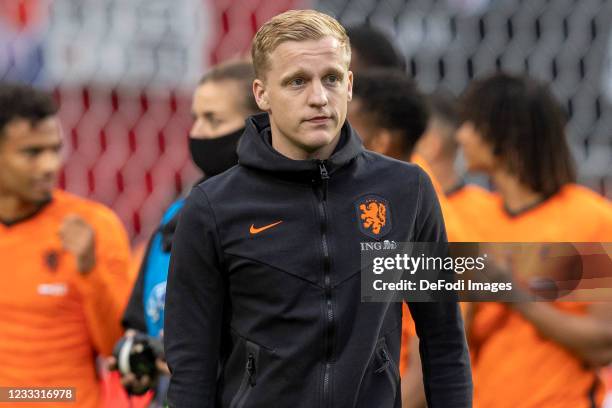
(106, 288)
(457, 230)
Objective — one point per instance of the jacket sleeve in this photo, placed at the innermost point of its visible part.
(105, 289)
(194, 306)
(445, 358)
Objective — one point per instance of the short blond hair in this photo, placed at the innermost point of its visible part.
(295, 25)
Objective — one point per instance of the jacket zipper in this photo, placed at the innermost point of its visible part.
(248, 382)
(251, 370)
(329, 338)
(389, 368)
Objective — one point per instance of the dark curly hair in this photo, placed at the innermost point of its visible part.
(374, 48)
(391, 99)
(20, 101)
(522, 121)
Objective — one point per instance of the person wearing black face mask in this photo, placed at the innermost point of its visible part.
(221, 102)
(214, 156)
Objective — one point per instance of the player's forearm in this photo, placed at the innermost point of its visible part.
(103, 305)
(588, 337)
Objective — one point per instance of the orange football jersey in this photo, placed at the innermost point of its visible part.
(468, 202)
(53, 320)
(513, 365)
(458, 229)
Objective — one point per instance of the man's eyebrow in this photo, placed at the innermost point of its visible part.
(206, 114)
(42, 146)
(303, 73)
(336, 71)
(294, 74)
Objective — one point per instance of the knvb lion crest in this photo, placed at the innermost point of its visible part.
(374, 216)
(51, 260)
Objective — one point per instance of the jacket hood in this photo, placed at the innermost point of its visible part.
(255, 150)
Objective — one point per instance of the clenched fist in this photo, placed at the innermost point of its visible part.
(78, 238)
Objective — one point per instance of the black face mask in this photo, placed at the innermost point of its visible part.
(214, 156)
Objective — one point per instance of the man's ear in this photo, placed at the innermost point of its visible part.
(350, 85)
(261, 95)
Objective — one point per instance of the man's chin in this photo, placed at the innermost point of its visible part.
(316, 140)
(40, 197)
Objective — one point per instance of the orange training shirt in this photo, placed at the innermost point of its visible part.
(53, 320)
(468, 202)
(513, 365)
(457, 230)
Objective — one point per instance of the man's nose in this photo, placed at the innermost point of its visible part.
(199, 129)
(49, 161)
(318, 94)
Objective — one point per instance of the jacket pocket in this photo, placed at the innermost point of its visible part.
(387, 367)
(380, 384)
(249, 379)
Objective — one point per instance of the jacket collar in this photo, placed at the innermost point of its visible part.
(255, 151)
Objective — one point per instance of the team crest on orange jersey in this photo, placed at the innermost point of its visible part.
(374, 216)
(51, 259)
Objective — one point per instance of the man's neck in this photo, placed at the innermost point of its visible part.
(13, 208)
(444, 171)
(516, 196)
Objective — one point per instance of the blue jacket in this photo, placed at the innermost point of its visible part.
(145, 310)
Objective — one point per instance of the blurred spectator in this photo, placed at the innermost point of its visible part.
(438, 148)
(221, 103)
(64, 259)
(388, 111)
(391, 116)
(370, 48)
(533, 354)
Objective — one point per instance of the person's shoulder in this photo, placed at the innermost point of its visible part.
(577, 198)
(584, 208)
(72, 201)
(577, 191)
(220, 181)
(377, 162)
(172, 210)
(217, 188)
(472, 195)
(92, 211)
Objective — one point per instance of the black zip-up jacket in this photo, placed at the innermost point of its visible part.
(263, 303)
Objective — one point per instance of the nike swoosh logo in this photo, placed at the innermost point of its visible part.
(254, 230)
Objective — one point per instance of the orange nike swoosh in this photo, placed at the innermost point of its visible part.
(255, 230)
